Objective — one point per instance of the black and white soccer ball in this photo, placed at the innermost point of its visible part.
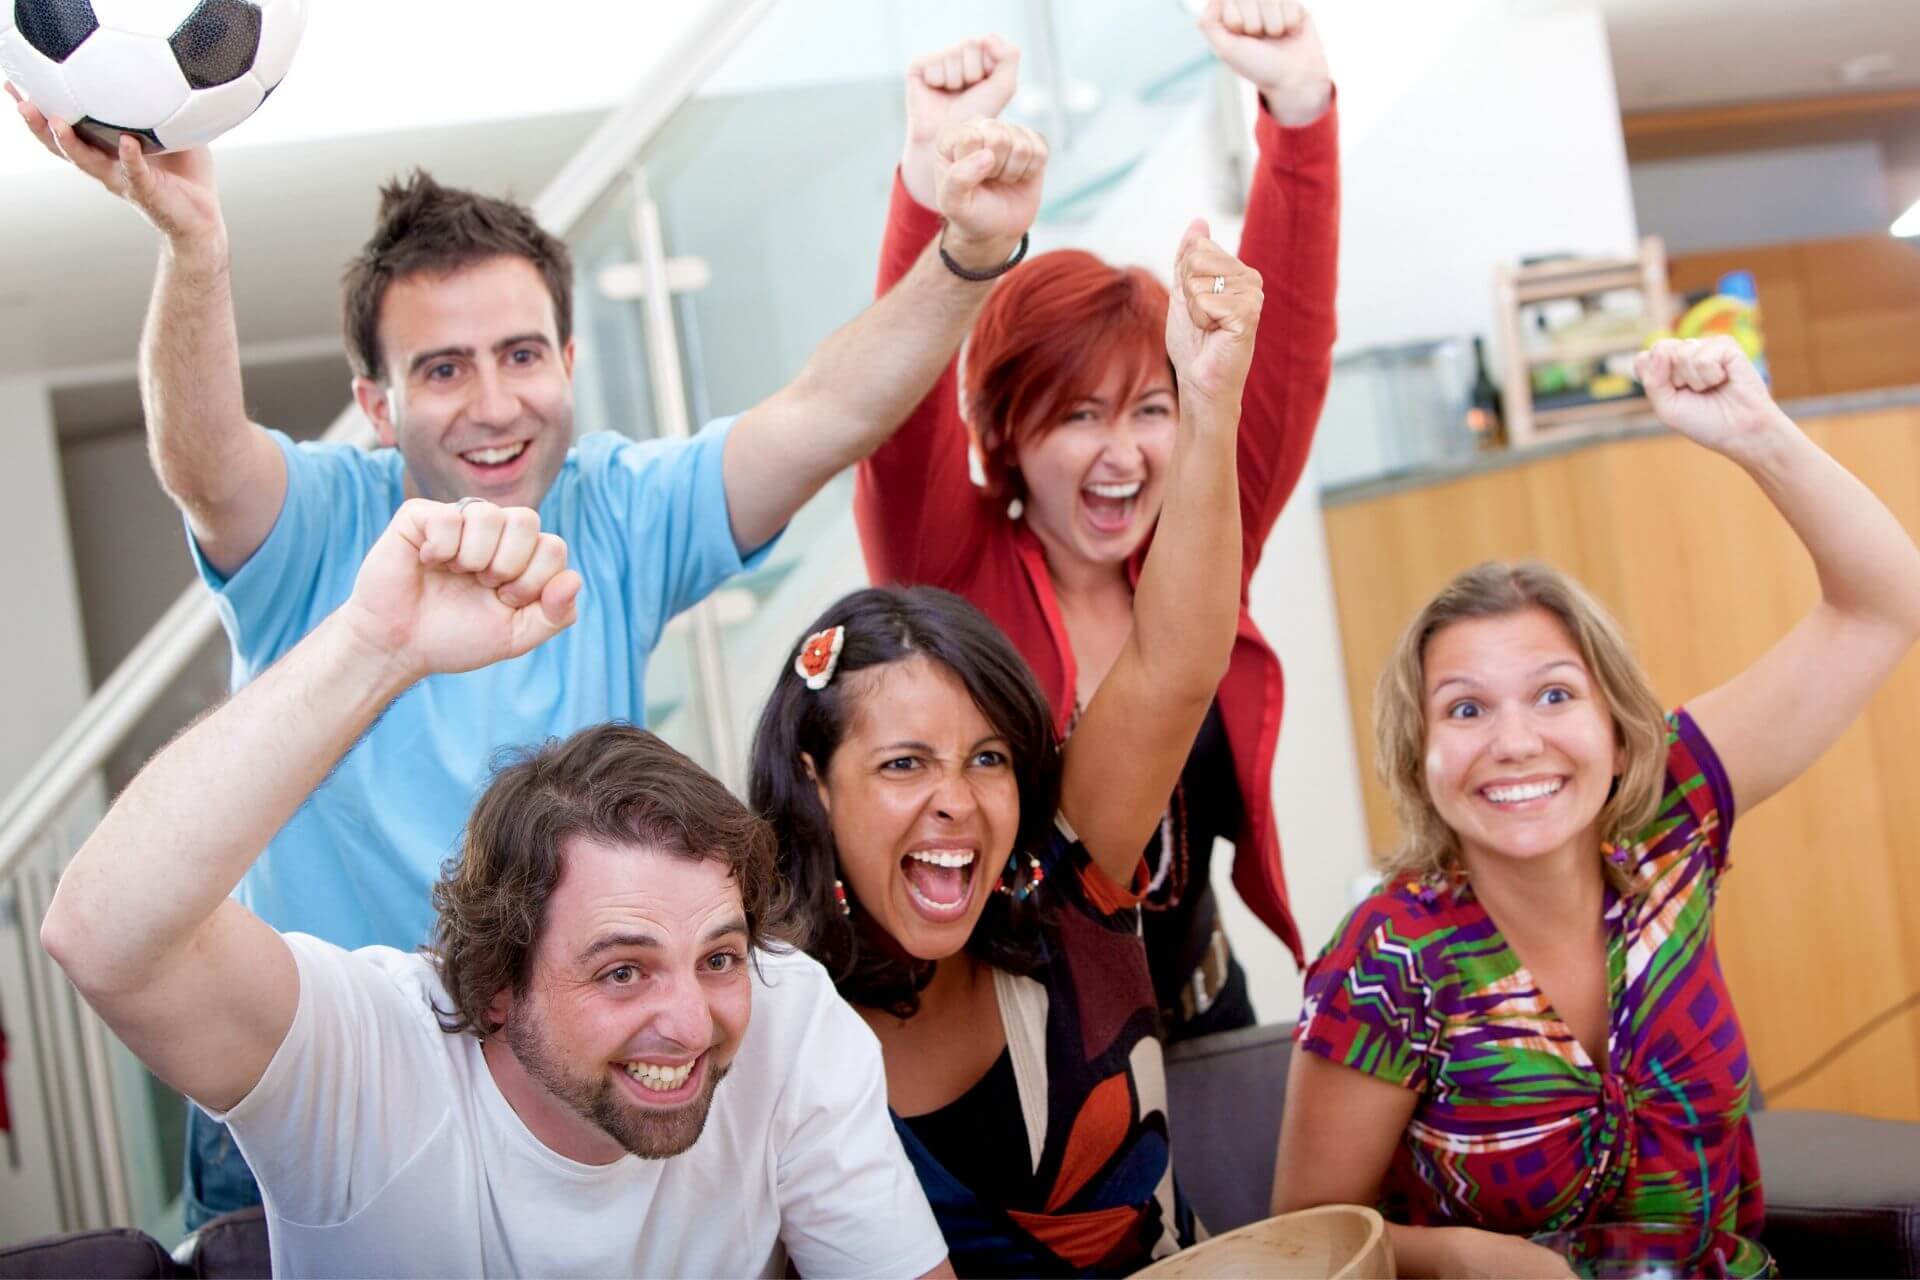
(174, 73)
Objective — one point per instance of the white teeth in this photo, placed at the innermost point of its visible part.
(943, 857)
(494, 457)
(1114, 490)
(662, 1079)
(1526, 791)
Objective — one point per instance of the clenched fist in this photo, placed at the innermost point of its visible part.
(1708, 391)
(987, 180)
(1211, 319)
(972, 80)
(458, 586)
(1273, 45)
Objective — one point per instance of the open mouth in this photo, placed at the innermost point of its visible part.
(495, 458)
(665, 1084)
(1110, 506)
(939, 881)
(1513, 794)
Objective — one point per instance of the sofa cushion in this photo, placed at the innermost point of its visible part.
(231, 1247)
(1843, 1193)
(1224, 1094)
(119, 1252)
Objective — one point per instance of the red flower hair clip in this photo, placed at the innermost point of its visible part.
(818, 656)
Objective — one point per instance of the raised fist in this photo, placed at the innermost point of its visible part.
(1211, 319)
(987, 179)
(1273, 45)
(457, 586)
(175, 192)
(972, 80)
(1708, 391)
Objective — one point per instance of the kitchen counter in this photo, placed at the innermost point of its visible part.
(1457, 466)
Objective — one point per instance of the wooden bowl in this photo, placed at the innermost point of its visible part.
(1333, 1242)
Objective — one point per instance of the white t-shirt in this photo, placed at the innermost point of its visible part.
(383, 1147)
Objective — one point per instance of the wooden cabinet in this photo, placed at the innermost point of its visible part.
(1839, 315)
(1819, 924)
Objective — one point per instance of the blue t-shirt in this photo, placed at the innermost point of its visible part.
(646, 526)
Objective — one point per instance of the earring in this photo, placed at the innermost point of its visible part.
(1036, 875)
(840, 897)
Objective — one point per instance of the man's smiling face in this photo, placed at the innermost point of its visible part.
(638, 1000)
(477, 392)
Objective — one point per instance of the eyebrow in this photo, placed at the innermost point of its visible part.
(927, 746)
(647, 942)
(441, 353)
(1537, 672)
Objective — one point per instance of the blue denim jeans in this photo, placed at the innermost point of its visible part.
(217, 1178)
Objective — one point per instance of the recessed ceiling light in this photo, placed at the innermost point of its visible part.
(1865, 68)
(1908, 223)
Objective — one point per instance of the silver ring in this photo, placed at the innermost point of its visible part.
(1219, 284)
(466, 502)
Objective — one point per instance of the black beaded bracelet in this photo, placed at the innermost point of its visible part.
(991, 273)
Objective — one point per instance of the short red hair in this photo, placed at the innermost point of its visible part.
(1051, 333)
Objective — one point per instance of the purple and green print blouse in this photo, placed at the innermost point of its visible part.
(1516, 1129)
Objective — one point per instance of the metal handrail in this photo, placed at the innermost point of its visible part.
(164, 652)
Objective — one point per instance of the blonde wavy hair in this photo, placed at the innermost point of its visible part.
(1498, 589)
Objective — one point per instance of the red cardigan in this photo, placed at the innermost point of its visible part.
(922, 520)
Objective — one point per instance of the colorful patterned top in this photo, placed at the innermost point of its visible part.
(1516, 1130)
(1091, 1191)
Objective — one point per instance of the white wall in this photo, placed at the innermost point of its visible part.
(1763, 197)
(1471, 137)
(43, 682)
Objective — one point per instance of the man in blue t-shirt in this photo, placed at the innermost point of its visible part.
(458, 326)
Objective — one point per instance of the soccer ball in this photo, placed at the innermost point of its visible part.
(173, 73)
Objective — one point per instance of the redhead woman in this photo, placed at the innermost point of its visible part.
(1525, 1028)
(1067, 407)
(972, 887)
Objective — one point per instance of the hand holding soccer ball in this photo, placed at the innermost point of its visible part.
(158, 76)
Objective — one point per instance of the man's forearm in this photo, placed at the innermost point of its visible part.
(868, 376)
(862, 383)
(190, 824)
(190, 376)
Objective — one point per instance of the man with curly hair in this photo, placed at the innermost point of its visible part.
(542, 1094)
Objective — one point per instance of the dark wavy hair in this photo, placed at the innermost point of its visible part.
(887, 625)
(614, 783)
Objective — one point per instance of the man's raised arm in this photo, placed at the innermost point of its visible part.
(197, 986)
(867, 377)
(224, 472)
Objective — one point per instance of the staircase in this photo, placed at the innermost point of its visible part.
(717, 239)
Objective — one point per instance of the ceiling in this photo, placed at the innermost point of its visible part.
(1672, 53)
(75, 266)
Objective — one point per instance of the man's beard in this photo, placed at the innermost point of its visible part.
(651, 1135)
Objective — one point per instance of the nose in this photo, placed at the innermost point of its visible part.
(1514, 736)
(1123, 443)
(953, 799)
(494, 403)
(681, 1015)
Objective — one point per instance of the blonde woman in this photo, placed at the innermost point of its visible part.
(1525, 1028)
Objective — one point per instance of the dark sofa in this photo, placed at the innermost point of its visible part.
(1843, 1192)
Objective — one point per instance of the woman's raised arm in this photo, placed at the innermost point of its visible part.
(1773, 720)
(1127, 753)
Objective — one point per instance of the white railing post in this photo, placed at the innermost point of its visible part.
(670, 415)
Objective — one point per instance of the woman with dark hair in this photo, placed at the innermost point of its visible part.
(972, 887)
(1064, 405)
